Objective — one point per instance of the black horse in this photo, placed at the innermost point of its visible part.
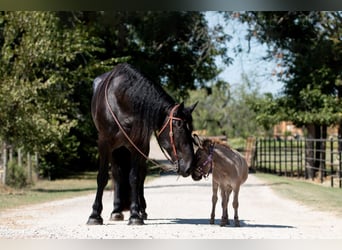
(126, 109)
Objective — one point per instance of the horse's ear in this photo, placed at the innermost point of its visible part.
(197, 141)
(192, 107)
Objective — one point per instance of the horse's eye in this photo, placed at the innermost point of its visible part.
(178, 123)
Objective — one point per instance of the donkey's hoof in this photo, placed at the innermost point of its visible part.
(224, 222)
(135, 221)
(95, 221)
(116, 216)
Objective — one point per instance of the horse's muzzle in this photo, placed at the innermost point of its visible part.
(184, 169)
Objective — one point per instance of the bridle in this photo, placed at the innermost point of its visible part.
(209, 160)
(169, 121)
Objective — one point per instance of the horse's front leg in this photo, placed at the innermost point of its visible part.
(142, 201)
(134, 181)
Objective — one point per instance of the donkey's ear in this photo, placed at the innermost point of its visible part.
(197, 140)
(192, 107)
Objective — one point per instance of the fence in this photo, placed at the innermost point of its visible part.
(306, 158)
(25, 160)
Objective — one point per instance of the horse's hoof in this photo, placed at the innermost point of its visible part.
(237, 224)
(144, 215)
(135, 221)
(212, 221)
(95, 221)
(116, 216)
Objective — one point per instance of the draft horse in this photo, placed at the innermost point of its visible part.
(126, 109)
(229, 171)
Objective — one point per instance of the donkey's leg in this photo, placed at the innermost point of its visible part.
(225, 193)
(102, 180)
(134, 181)
(236, 206)
(213, 200)
(120, 173)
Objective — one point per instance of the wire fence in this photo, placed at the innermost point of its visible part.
(303, 158)
(26, 161)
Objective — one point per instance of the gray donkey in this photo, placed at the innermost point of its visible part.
(229, 171)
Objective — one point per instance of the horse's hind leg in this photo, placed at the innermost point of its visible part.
(213, 200)
(236, 206)
(102, 180)
(120, 176)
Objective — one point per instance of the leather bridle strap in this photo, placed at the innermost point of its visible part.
(169, 122)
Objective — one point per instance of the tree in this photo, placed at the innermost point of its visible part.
(174, 49)
(40, 60)
(309, 46)
(227, 110)
(48, 61)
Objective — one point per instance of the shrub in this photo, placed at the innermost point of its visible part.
(16, 175)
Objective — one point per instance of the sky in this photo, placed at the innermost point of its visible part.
(258, 71)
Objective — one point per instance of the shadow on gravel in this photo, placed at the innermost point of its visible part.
(217, 223)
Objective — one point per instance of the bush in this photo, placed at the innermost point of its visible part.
(16, 175)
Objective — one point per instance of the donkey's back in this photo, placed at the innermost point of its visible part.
(229, 167)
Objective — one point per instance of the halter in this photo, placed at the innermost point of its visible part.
(169, 122)
(209, 160)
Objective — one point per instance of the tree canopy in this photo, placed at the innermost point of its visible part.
(308, 47)
(48, 61)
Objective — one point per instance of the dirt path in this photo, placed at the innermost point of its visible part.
(177, 208)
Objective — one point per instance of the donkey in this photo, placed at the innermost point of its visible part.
(229, 171)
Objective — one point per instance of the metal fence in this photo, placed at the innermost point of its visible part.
(303, 158)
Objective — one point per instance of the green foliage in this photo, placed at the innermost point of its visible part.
(309, 44)
(48, 61)
(223, 110)
(16, 175)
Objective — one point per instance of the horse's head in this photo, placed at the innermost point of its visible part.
(175, 137)
(203, 158)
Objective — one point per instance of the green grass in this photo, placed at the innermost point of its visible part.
(44, 190)
(314, 195)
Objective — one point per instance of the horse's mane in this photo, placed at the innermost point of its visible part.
(150, 101)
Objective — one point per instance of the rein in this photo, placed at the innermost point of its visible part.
(169, 120)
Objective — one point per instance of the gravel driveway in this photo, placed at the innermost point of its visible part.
(178, 208)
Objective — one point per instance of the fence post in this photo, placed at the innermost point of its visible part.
(331, 161)
(29, 168)
(291, 152)
(339, 166)
(5, 164)
(285, 150)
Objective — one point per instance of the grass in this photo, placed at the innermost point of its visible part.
(44, 190)
(311, 194)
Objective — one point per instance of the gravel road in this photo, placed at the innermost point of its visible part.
(178, 208)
